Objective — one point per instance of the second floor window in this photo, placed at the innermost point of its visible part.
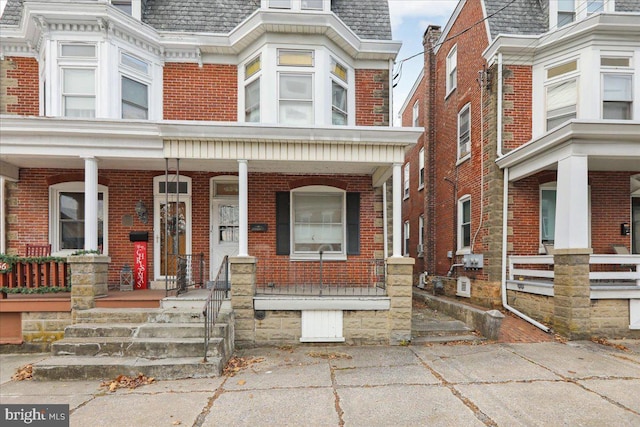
(407, 175)
(135, 99)
(252, 90)
(79, 92)
(452, 69)
(295, 98)
(617, 96)
(339, 100)
(566, 12)
(416, 114)
(421, 169)
(464, 132)
(561, 103)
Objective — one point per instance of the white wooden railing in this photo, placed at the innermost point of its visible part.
(616, 276)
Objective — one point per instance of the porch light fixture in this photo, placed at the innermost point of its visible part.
(141, 211)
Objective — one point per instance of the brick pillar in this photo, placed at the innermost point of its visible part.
(399, 282)
(243, 287)
(571, 288)
(88, 280)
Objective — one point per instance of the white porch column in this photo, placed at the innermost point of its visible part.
(397, 210)
(243, 200)
(572, 204)
(90, 203)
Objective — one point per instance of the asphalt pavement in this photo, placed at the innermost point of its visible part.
(536, 384)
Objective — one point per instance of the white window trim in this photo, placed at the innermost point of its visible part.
(555, 81)
(307, 256)
(416, 114)
(450, 87)
(421, 234)
(406, 181)
(553, 186)
(580, 11)
(421, 169)
(54, 215)
(464, 156)
(406, 250)
(296, 6)
(461, 250)
(137, 76)
(609, 72)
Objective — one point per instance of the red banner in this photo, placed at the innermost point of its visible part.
(140, 265)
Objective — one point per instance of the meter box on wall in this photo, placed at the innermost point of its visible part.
(473, 261)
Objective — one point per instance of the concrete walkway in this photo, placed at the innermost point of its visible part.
(545, 384)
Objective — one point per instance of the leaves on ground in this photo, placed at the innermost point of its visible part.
(604, 341)
(23, 373)
(123, 381)
(329, 355)
(237, 364)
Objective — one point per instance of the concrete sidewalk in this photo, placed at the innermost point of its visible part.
(546, 384)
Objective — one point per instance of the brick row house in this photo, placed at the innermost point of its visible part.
(524, 189)
(257, 130)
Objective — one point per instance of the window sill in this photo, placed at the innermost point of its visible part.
(450, 92)
(463, 251)
(421, 187)
(463, 159)
(316, 257)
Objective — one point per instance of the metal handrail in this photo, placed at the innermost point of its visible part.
(219, 291)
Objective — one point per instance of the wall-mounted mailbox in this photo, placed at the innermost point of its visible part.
(625, 230)
(139, 236)
(259, 228)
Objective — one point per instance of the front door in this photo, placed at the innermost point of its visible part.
(172, 235)
(224, 231)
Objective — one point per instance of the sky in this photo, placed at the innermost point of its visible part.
(409, 20)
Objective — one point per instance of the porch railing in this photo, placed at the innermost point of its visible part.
(219, 290)
(34, 274)
(190, 272)
(604, 270)
(355, 277)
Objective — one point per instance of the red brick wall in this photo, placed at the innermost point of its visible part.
(372, 97)
(194, 93)
(610, 206)
(21, 85)
(451, 181)
(29, 203)
(516, 106)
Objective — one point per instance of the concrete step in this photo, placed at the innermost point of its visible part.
(144, 330)
(446, 339)
(105, 368)
(438, 327)
(152, 348)
(140, 315)
(194, 299)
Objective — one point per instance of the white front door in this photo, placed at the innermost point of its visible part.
(224, 231)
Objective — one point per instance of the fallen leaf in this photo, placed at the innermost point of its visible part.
(123, 381)
(236, 364)
(242, 382)
(330, 356)
(23, 373)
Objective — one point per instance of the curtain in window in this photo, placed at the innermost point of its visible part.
(561, 103)
(296, 99)
(78, 89)
(252, 102)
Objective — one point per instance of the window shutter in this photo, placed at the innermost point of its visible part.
(353, 223)
(283, 227)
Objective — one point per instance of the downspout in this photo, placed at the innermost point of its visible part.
(391, 92)
(385, 233)
(505, 205)
(499, 118)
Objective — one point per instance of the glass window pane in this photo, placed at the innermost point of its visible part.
(616, 110)
(614, 62)
(299, 58)
(562, 69)
(312, 4)
(466, 211)
(566, 5)
(318, 222)
(339, 96)
(565, 18)
(339, 70)
(172, 187)
(561, 95)
(617, 87)
(296, 113)
(78, 50)
(71, 219)
(77, 106)
(134, 92)
(295, 86)
(280, 4)
(79, 81)
(595, 6)
(252, 67)
(547, 215)
(133, 62)
(252, 101)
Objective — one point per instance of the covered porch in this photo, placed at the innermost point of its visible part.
(571, 255)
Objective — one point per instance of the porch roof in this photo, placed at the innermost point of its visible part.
(609, 145)
(202, 146)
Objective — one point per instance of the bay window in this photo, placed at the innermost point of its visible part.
(561, 104)
(339, 100)
(295, 98)
(134, 87)
(252, 90)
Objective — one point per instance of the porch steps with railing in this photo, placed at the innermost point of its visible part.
(430, 326)
(164, 343)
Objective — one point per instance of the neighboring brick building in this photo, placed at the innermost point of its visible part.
(252, 129)
(546, 100)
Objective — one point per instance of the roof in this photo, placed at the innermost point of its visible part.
(523, 17)
(369, 19)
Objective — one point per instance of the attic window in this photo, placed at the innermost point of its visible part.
(279, 4)
(123, 6)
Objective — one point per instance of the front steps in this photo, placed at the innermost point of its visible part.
(429, 327)
(164, 343)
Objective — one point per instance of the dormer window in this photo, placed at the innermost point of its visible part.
(566, 12)
(321, 5)
(595, 6)
(123, 6)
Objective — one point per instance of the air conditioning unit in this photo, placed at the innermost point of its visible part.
(420, 249)
(463, 288)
